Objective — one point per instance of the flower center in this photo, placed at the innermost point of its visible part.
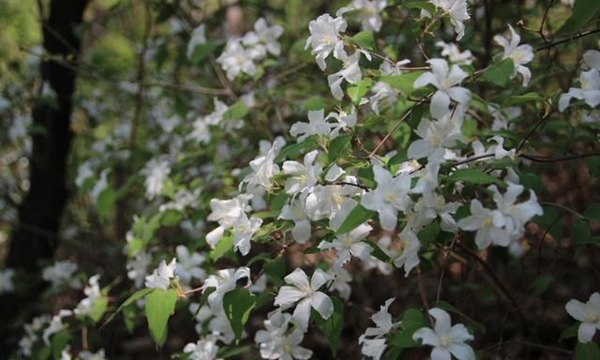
(591, 318)
(487, 222)
(445, 340)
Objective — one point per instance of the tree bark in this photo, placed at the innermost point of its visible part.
(35, 239)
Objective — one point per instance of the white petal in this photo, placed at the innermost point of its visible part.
(298, 278)
(576, 309)
(440, 353)
(319, 279)
(462, 351)
(323, 304)
(442, 320)
(427, 336)
(288, 295)
(586, 332)
(301, 314)
(439, 104)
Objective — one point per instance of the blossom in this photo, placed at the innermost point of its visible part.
(60, 273)
(389, 197)
(373, 339)
(306, 294)
(6, 281)
(457, 9)
(325, 201)
(156, 172)
(263, 39)
(370, 13)
(277, 342)
(588, 314)
(235, 59)
(188, 265)
(590, 83)
(88, 355)
(436, 136)
(205, 348)
(93, 293)
(454, 54)
(243, 230)
(224, 281)
(136, 267)
(408, 257)
(296, 212)
(350, 72)
(302, 176)
(344, 121)
(325, 38)
(446, 340)
(520, 54)
(445, 80)
(263, 170)
(488, 224)
(161, 277)
(226, 213)
(56, 325)
(317, 125)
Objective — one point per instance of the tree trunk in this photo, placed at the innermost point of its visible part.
(35, 237)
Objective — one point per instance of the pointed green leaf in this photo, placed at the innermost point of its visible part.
(136, 295)
(238, 305)
(499, 73)
(402, 82)
(236, 111)
(359, 215)
(474, 176)
(587, 351)
(338, 146)
(365, 40)
(583, 11)
(332, 327)
(160, 305)
(358, 91)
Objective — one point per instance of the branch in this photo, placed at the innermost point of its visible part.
(569, 39)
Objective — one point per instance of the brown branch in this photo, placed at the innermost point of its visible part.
(569, 39)
(544, 159)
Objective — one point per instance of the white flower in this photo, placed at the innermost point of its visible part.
(350, 71)
(344, 121)
(88, 355)
(224, 281)
(198, 38)
(235, 60)
(520, 54)
(370, 13)
(56, 325)
(92, 292)
(205, 348)
(276, 342)
(457, 9)
(342, 278)
(446, 340)
(325, 201)
(349, 244)
(188, 265)
(436, 137)
(302, 177)
(6, 281)
(62, 272)
(409, 251)
(161, 277)
(325, 38)
(156, 172)
(588, 314)
(389, 197)
(295, 211)
(263, 38)
(316, 126)
(243, 230)
(487, 223)
(374, 345)
(590, 83)
(306, 295)
(454, 54)
(136, 267)
(226, 213)
(445, 80)
(263, 170)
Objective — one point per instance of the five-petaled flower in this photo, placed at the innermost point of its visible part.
(589, 315)
(446, 340)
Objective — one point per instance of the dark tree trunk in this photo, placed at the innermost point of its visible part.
(35, 237)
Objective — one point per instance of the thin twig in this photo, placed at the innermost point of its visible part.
(559, 159)
(569, 39)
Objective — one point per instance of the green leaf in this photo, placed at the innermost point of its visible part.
(582, 233)
(292, 151)
(202, 51)
(569, 332)
(223, 246)
(358, 91)
(592, 212)
(474, 176)
(520, 99)
(237, 305)
(403, 82)
(359, 215)
(236, 111)
(412, 321)
(365, 40)
(583, 11)
(105, 201)
(332, 327)
(421, 5)
(130, 300)
(314, 103)
(98, 308)
(160, 305)
(58, 343)
(587, 351)
(337, 147)
(171, 218)
(499, 73)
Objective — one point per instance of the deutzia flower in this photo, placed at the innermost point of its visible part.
(156, 172)
(226, 213)
(6, 281)
(590, 83)
(92, 292)
(88, 355)
(344, 121)
(325, 38)
(453, 53)
(350, 72)
(520, 54)
(295, 212)
(56, 325)
(302, 176)
(306, 294)
(446, 340)
(243, 230)
(588, 314)
(445, 80)
(224, 281)
(263, 170)
(62, 272)
(235, 60)
(457, 9)
(409, 251)
(136, 267)
(188, 265)
(488, 225)
(374, 345)
(370, 13)
(264, 38)
(161, 277)
(277, 342)
(436, 137)
(317, 125)
(389, 197)
(205, 348)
